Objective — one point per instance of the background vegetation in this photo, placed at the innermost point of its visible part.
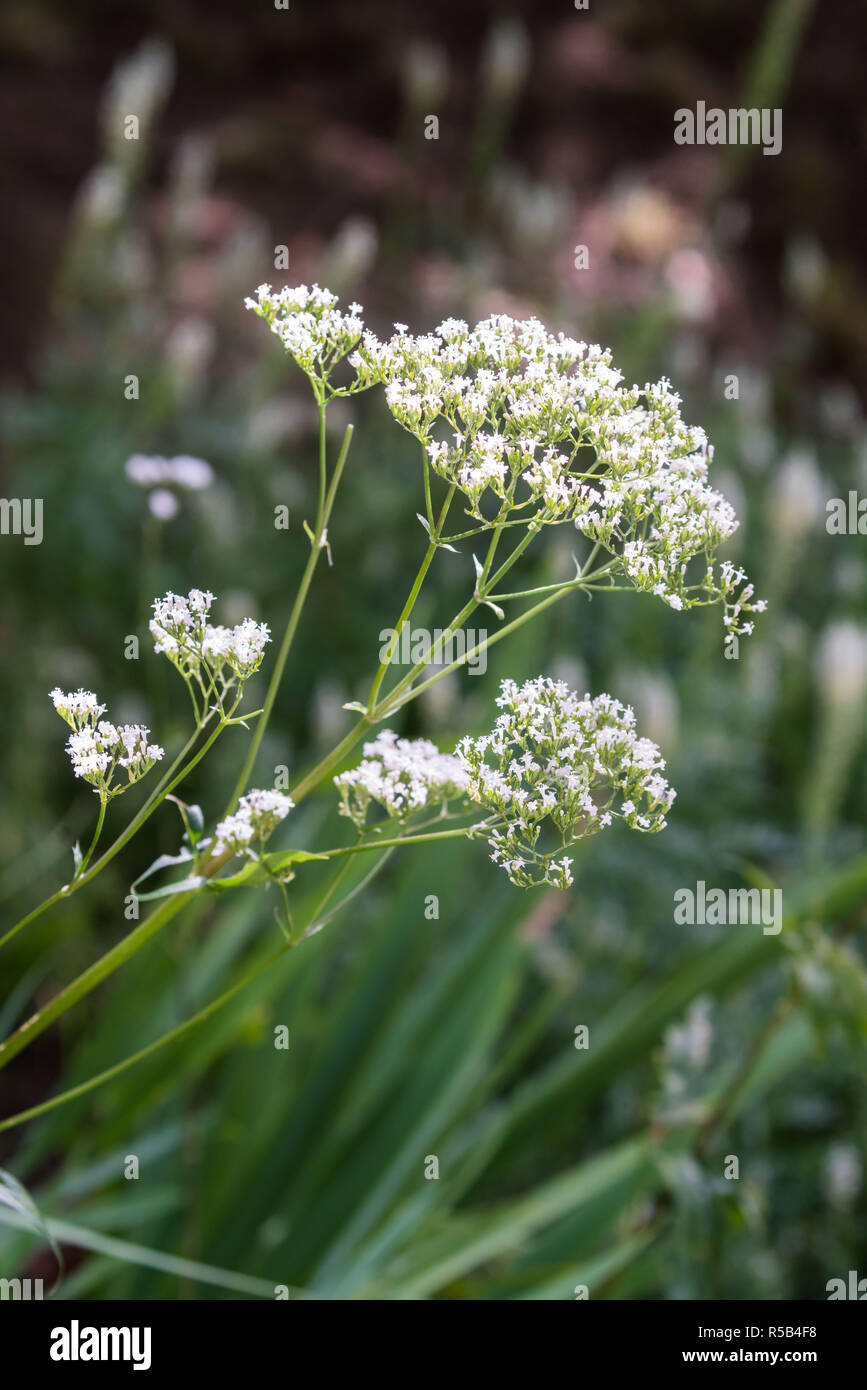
(455, 1036)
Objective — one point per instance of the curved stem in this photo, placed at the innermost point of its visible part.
(151, 805)
(90, 978)
(201, 1016)
(144, 1052)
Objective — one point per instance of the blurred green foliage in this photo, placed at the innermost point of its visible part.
(452, 1038)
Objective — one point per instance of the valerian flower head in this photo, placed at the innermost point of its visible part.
(258, 813)
(178, 627)
(527, 422)
(315, 333)
(649, 505)
(555, 769)
(509, 400)
(241, 647)
(402, 776)
(182, 632)
(97, 747)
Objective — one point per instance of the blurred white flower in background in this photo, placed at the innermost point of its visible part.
(840, 666)
(843, 1175)
(163, 504)
(184, 473)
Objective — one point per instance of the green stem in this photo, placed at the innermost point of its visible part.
(152, 803)
(90, 978)
(428, 505)
(327, 503)
(155, 799)
(147, 810)
(144, 1052)
(492, 550)
(200, 1017)
(579, 582)
(317, 922)
(388, 705)
(394, 844)
(411, 599)
(103, 802)
(482, 646)
(33, 914)
(320, 508)
(334, 758)
(122, 952)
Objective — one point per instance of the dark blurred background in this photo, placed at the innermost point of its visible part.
(304, 129)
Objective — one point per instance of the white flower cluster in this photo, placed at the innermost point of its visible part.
(402, 775)
(651, 506)
(182, 632)
(523, 420)
(515, 399)
(315, 333)
(257, 815)
(183, 471)
(97, 747)
(542, 423)
(555, 769)
(167, 477)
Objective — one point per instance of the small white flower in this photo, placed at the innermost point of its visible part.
(192, 474)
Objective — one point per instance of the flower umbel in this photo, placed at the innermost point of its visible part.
(258, 813)
(315, 333)
(97, 747)
(555, 769)
(199, 650)
(526, 422)
(402, 776)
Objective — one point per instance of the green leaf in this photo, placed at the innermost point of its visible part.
(16, 1198)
